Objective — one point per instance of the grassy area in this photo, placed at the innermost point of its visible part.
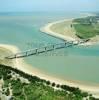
(86, 27)
(85, 31)
(34, 88)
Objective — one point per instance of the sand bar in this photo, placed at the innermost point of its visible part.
(67, 32)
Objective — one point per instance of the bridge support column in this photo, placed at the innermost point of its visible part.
(65, 43)
(36, 51)
(26, 53)
(53, 46)
(15, 56)
(45, 48)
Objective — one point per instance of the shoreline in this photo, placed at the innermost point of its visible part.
(47, 29)
(21, 65)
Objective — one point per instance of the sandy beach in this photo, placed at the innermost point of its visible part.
(47, 30)
(21, 65)
(62, 29)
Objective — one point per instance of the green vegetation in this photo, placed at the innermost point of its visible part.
(34, 88)
(86, 27)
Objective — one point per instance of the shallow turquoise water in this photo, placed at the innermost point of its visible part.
(74, 63)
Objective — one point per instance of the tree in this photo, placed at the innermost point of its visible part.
(48, 82)
(53, 84)
(57, 85)
(7, 92)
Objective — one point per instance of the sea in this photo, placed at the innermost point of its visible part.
(77, 63)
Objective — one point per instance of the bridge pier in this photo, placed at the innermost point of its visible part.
(36, 51)
(27, 53)
(45, 48)
(53, 47)
(15, 55)
(66, 43)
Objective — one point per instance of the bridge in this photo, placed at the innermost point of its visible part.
(45, 49)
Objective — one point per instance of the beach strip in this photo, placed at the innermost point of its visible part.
(46, 29)
(21, 65)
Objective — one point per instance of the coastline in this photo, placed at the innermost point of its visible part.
(21, 65)
(47, 29)
(95, 40)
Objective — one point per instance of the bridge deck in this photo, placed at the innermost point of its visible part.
(44, 49)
